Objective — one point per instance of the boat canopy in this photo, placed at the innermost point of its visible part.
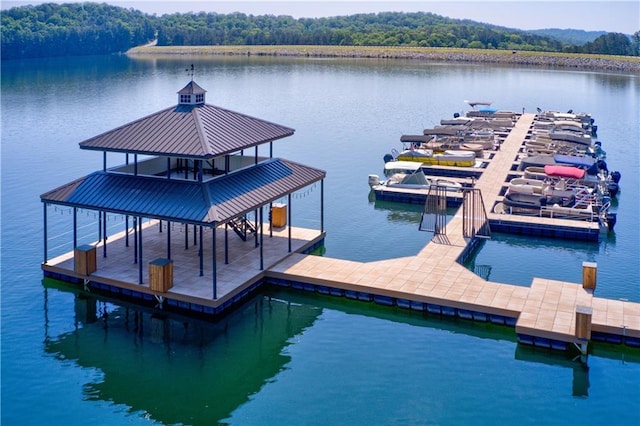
(415, 138)
(564, 171)
(393, 167)
(574, 160)
(473, 104)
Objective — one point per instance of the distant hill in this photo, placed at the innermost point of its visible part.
(569, 36)
(96, 29)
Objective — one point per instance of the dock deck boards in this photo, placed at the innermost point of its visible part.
(433, 276)
(243, 269)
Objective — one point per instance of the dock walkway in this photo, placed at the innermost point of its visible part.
(432, 280)
(434, 277)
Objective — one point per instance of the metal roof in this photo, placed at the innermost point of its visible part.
(189, 131)
(214, 201)
(191, 88)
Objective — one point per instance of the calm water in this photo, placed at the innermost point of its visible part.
(290, 358)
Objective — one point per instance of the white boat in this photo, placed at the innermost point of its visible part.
(550, 118)
(560, 189)
(414, 180)
(451, 138)
(526, 186)
(484, 137)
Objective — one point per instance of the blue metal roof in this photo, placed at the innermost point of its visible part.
(214, 201)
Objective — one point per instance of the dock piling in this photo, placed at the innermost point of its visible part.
(583, 327)
(589, 270)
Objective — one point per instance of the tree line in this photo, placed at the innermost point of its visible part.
(94, 29)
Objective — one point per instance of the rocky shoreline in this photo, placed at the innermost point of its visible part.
(620, 64)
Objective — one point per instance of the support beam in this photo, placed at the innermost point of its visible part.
(140, 250)
(104, 235)
(255, 222)
(201, 254)
(289, 219)
(135, 239)
(261, 239)
(46, 238)
(226, 243)
(169, 240)
(213, 262)
(270, 220)
(75, 227)
(322, 205)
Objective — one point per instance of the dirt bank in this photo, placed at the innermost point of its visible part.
(624, 64)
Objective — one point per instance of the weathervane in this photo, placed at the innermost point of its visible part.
(190, 71)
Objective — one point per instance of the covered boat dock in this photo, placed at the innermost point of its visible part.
(185, 172)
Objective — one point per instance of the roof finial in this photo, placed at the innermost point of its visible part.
(190, 71)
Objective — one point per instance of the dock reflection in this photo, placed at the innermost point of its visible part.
(148, 359)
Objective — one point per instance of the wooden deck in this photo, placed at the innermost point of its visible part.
(243, 269)
(433, 276)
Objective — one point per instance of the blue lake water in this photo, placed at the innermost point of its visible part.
(286, 357)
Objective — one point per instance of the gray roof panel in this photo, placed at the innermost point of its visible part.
(193, 131)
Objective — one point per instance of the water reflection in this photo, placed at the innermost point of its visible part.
(176, 369)
(580, 383)
(403, 212)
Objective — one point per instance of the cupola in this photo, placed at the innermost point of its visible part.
(191, 94)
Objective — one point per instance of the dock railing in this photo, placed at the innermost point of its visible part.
(475, 222)
(434, 214)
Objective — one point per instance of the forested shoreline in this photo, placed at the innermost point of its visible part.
(92, 29)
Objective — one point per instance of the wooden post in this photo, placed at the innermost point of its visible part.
(161, 275)
(278, 215)
(583, 322)
(84, 259)
(589, 275)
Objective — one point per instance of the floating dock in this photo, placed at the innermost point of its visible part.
(549, 314)
(500, 166)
